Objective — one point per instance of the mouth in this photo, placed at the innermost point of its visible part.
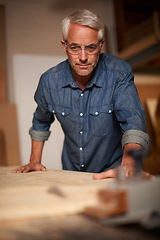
(83, 66)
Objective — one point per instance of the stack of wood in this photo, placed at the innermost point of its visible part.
(152, 163)
(9, 143)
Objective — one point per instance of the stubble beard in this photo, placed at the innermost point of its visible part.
(80, 73)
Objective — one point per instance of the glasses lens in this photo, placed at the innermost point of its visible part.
(92, 48)
(76, 49)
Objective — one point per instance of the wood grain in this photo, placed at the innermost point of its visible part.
(50, 193)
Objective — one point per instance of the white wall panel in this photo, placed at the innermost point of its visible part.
(27, 70)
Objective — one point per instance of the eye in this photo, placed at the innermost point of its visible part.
(75, 47)
(91, 47)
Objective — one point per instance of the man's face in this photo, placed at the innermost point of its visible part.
(82, 64)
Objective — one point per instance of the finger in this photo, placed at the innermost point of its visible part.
(108, 174)
(39, 167)
(43, 168)
(30, 167)
(147, 175)
(20, 169)
(14, 170)
(26, 169)
(17, 170)
(130, 173)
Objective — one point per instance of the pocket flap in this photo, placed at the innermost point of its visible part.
(64, 111)
(95, 111)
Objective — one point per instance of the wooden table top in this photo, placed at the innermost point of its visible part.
(48, 205)
(49, 193)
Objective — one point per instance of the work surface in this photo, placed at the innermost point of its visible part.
(49, 205)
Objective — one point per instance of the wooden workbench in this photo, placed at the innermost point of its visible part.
(49, 205)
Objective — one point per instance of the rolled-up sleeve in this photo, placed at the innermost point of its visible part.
(43, 117)
(40, 136)
(136, 136)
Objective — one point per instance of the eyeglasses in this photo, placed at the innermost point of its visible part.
(89, 49)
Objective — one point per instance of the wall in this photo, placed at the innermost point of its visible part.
(33, 45)
(33, 27)
(25, 68)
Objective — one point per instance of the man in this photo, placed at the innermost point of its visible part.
(94, 98)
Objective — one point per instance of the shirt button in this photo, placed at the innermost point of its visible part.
(109, 111)
(53, 111)
(80, 148)
(82, 165)
(96, 113)
(81, 94)
(81, 132)
(63, 113)
(81, 114)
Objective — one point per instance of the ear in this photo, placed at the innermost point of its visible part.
(102, 45)
(63, 46)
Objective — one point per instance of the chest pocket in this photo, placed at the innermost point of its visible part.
(63, 116)
(101, 119)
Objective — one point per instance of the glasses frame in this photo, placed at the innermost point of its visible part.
(99, 44)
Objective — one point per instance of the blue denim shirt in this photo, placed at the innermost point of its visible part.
(94, 120)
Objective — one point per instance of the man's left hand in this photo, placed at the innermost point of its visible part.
(112, 173)
(128, 163)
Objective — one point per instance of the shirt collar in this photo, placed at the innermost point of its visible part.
(68, 79)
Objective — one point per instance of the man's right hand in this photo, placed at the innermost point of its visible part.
(35, 159)
(29, 167)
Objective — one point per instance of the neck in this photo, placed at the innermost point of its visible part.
(82, 81)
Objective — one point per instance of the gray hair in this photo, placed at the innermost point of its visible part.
(85, 18)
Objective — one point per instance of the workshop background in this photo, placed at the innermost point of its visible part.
(30, 37)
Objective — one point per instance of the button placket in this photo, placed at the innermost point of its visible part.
(81, 118)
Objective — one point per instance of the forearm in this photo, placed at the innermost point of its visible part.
(128, 161)
(36, 151)
(35, 159)
(127, 148)
(133, 139)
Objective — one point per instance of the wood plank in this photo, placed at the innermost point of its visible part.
(120, 24)
(50, 193)
(47, 178)
(3, 81)
(113, 202)
(37, 201)
(50, 225)
(73, 227)
(9, 131)
(152, 105)
(138, 46)
(3, 155)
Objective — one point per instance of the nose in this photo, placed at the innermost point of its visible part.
(83, 56)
